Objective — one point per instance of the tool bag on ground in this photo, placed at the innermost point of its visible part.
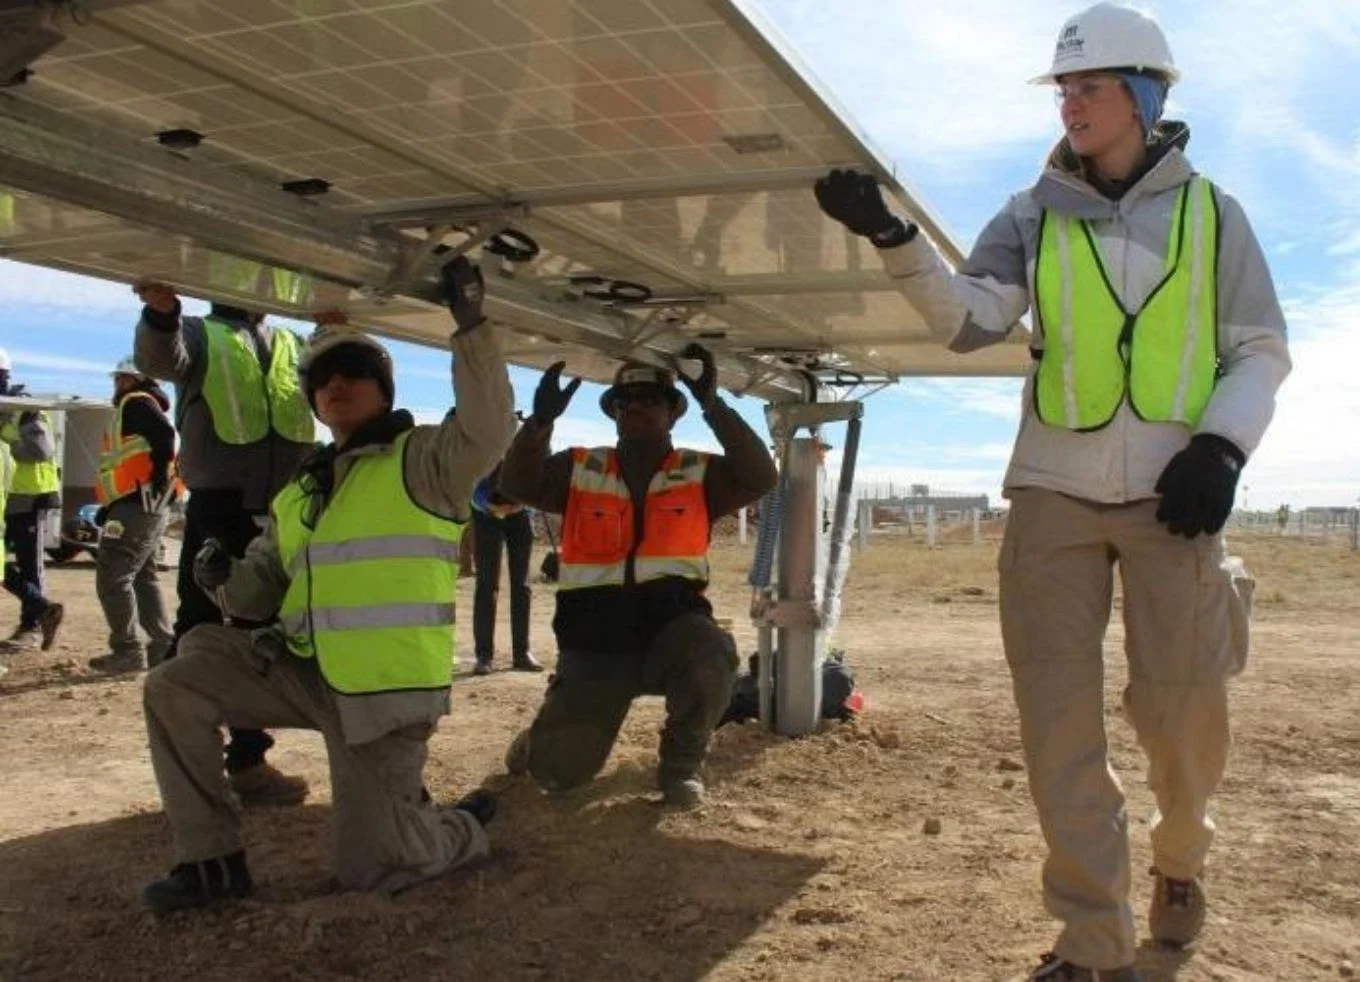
(840, 699)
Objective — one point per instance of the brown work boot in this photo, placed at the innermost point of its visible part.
(265, 785)
(1178, 909)
(48, 623)
(1054, 969)
(517, 755)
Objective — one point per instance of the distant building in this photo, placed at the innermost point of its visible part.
(948, 505)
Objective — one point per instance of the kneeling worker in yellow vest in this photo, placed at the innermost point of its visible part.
(357, 570)
(631, 616)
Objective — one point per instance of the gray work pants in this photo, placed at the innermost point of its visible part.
(385, 837)
(127, 580)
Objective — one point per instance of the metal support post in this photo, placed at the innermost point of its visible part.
(741, 525)
(866, 519)
(932, 527)
(798, 676)
(977, 526)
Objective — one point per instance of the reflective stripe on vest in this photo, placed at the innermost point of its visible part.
(246, 403)
(124, 461)
(598, 525)
(6, 479)
(1163, 358)
(371, 589)
(34, 477)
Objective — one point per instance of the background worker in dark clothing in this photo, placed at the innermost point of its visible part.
(500, 524)
(632, 618)
(244, 427)
(136, 487)
(35, 489)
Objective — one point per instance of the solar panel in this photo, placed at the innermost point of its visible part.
(660, 150)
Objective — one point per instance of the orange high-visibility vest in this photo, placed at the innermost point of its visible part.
(598, 525)
(125, 465)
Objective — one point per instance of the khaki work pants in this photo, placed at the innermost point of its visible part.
(691, 661)
(385, 838)
(1186, 608)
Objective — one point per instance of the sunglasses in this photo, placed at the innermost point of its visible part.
(351, 362)
(642, 397)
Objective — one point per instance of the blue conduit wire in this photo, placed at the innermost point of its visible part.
(771, 517)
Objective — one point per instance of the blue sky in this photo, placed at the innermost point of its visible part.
(1268, 91)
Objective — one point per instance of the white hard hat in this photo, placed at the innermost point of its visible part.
(1110, 35)
(327, 338)
(127, 366)
(331, 336)
(4, 360)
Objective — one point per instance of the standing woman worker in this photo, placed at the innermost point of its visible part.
(1158, 348)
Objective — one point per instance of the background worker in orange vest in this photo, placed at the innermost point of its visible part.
(631, 615)
(136, 487)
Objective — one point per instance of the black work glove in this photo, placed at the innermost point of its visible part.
(1198, 485)
(550, 399)
(854, 200)
(464, 291)
(212, 565)
(705, 387)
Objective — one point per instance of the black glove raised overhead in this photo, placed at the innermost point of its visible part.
(464, 292)
(1198, 486)
(550, 398)
(704, 388)
(854, 200)
(212, 565)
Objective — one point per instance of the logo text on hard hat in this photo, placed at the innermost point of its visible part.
(1070, 43)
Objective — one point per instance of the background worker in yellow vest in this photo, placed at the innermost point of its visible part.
(244, 427)
(357, 569)
(6, 477)
(135, 489)
(631, 614)
(35, 489)
(1159, 346)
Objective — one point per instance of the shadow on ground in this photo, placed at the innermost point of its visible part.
(602, 886)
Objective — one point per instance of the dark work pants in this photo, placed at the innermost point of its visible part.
(691, 661)
(24, 576)
(516, 535)
(216, 515)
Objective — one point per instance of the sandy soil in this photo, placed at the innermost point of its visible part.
(810, 859)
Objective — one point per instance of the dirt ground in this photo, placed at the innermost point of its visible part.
(809, 861)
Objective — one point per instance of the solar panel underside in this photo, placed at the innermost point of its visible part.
(667, 144)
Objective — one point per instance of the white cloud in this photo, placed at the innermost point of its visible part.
(998, 398)
(941, 85)
(1311, 453)
(24, 285)
(25, 359)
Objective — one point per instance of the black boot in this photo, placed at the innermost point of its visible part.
(526, 662)
(198, 884)
(481, 805)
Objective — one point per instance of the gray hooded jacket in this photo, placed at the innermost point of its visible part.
(982, 302)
